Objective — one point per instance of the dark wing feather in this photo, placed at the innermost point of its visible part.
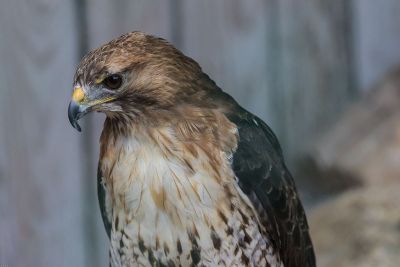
(101, 194)
(262, 175)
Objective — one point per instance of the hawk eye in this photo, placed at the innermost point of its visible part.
(113, 81)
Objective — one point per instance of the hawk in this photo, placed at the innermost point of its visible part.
(186, 176)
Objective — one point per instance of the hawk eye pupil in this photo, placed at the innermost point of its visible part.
(113, 81)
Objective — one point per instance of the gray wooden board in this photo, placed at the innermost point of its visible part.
(294, 63)
(377, 39)
(40, 182)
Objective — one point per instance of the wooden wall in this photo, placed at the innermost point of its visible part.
(295, 63)
(41, 189)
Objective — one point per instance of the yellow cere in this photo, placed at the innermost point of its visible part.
(78, 95)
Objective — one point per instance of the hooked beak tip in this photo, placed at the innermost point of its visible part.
(74, 114)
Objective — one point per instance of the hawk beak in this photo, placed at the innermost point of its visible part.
(75, 112)
(75, 109)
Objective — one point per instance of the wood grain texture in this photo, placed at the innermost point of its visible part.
(295, 63)
(377, 39)
(316, 71)
(229, 39)
(40, 179)
(286, 61)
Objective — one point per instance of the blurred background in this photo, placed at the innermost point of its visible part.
(323, 74)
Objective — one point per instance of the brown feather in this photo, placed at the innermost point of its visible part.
(165, 155)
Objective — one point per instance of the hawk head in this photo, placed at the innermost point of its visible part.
(132, 75)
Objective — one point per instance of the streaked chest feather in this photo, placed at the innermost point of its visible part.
(176, 203)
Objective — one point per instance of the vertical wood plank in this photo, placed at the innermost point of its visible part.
(316, 74)
(40, 194)
(108, 20)
(229, 39)
(377, 39)
(286, 61)
(91, 238)
(289, 61)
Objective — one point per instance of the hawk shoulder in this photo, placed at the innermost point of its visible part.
(262, 175)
